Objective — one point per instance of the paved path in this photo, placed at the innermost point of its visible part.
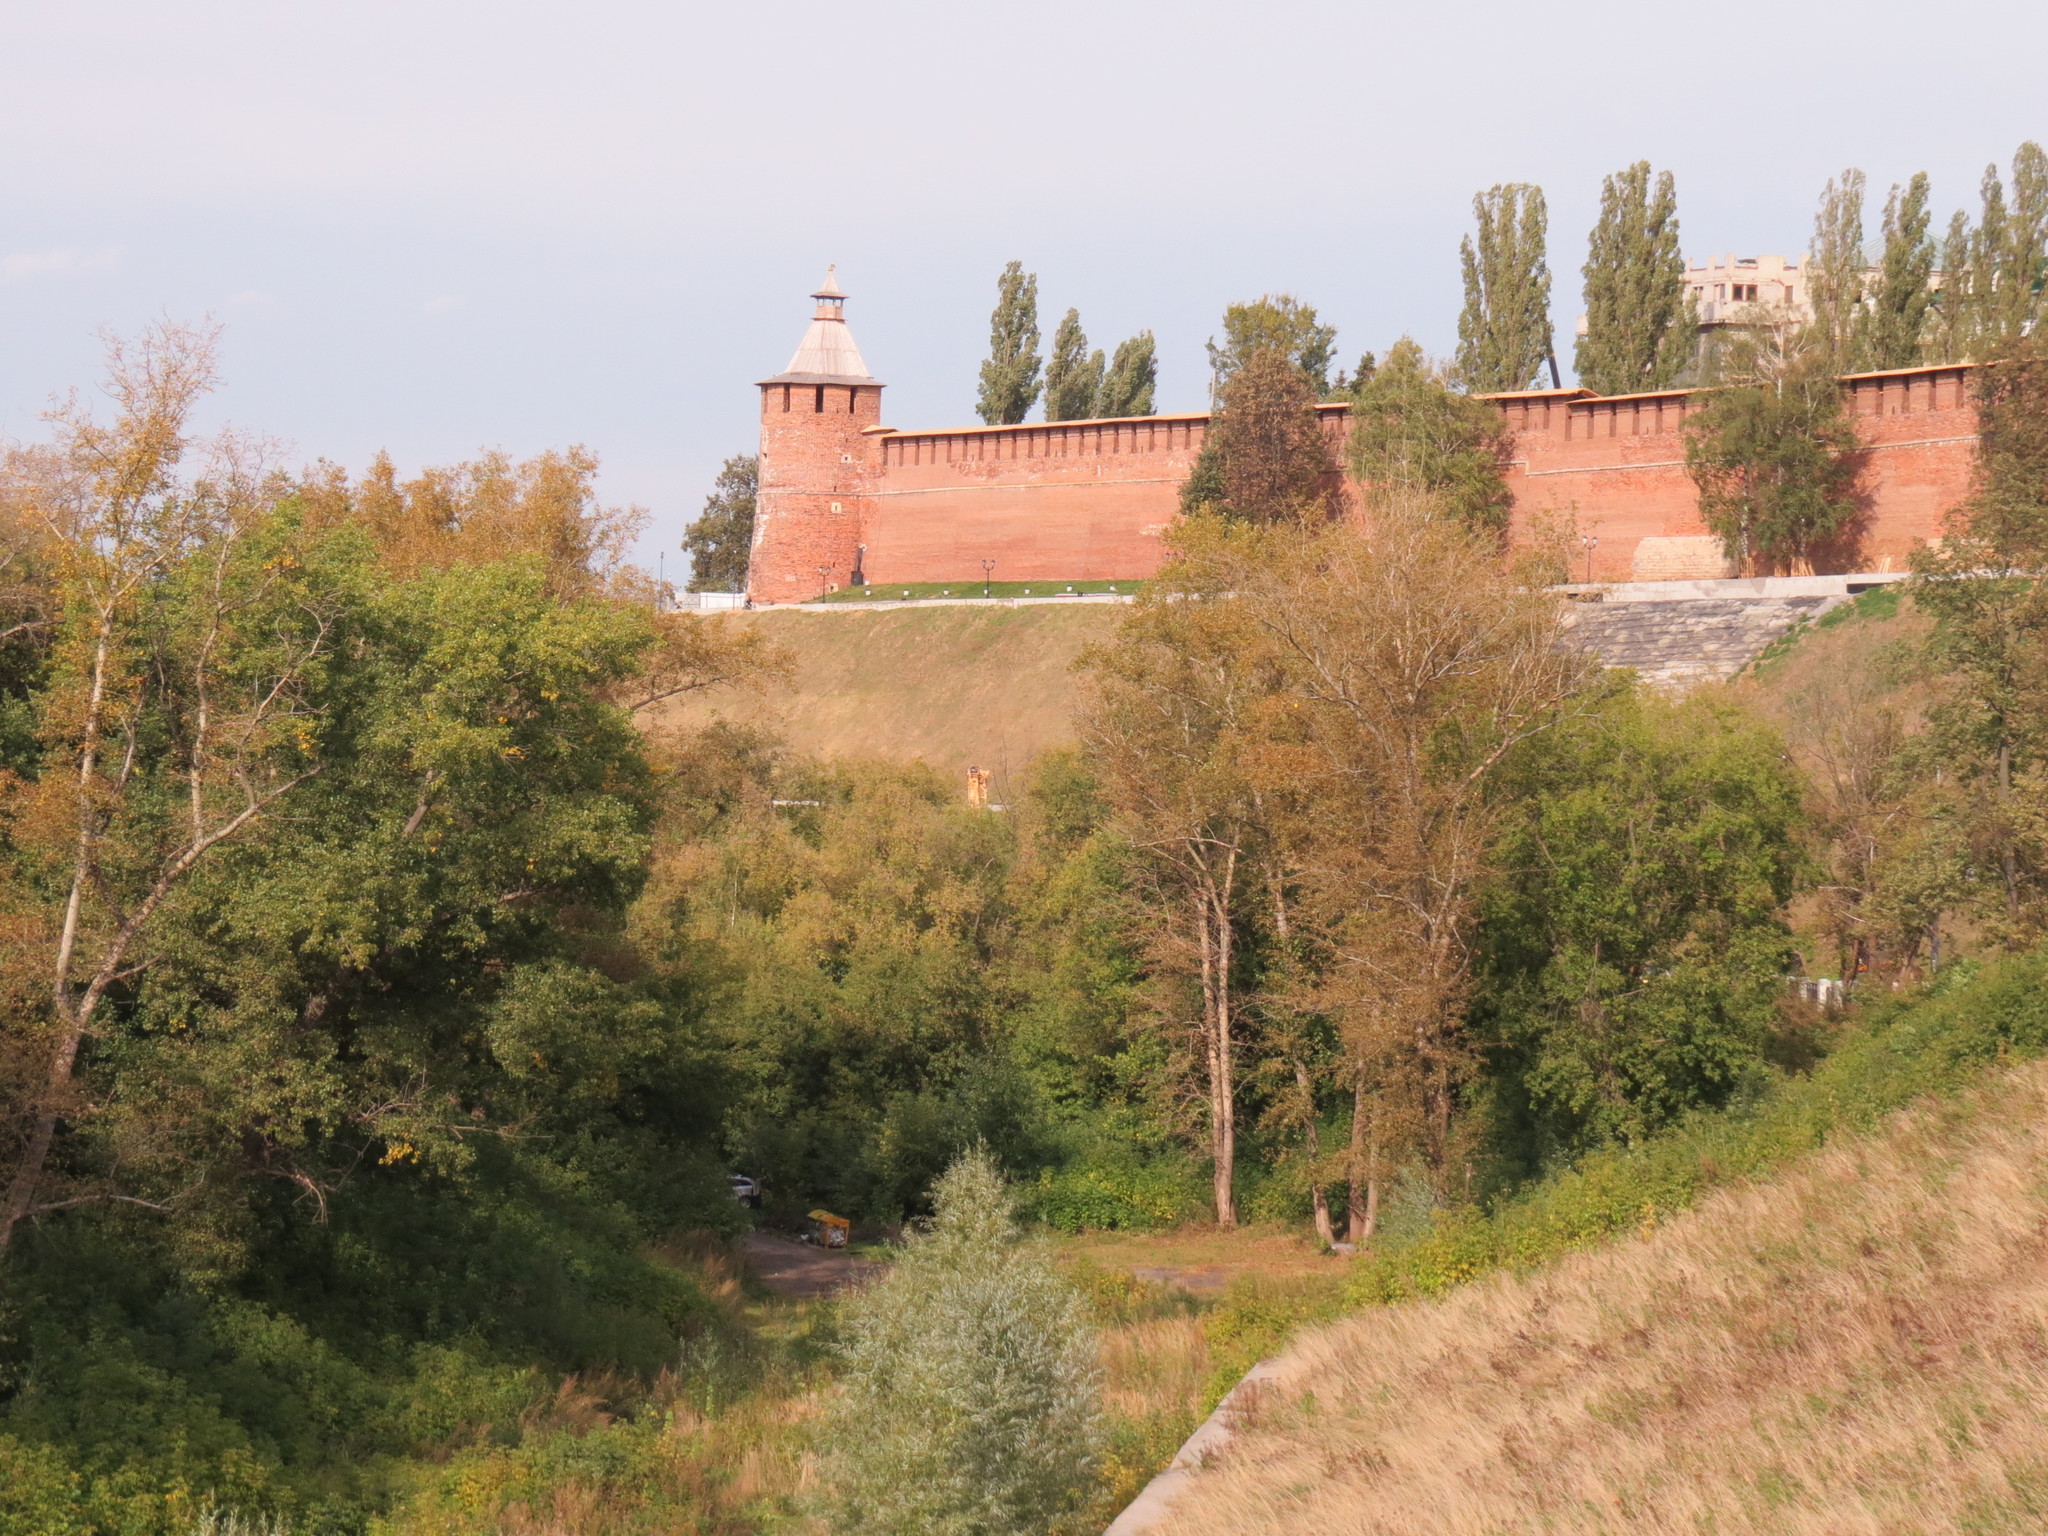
(804, 1270)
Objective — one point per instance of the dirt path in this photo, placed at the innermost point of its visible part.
(1207, 1281)
(1201, 1260)
(804, 1270)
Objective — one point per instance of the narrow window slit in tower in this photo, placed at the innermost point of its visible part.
(819, 408)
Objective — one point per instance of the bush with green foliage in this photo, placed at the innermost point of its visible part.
(1106, 1196)
(1632, 944)
(1935, 1043)
(967, 1403)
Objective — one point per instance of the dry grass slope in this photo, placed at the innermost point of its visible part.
(1858, 1347)
(950, 685)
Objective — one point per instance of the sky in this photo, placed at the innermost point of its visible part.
(436, 226)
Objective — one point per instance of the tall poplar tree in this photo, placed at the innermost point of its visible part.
(1948, 333)
(1504, 330)
(1073, 376)
(1132, 377)
(1992, 276)
(1639, 316)
(1890, 330)
(1834, 273)
(2010, 256)
(1009, 379)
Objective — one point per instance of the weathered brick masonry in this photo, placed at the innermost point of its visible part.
(1614, 467)
(841, 494)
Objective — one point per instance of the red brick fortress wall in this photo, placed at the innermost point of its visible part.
(1613, 468)
(1090, 499)
(1044, 501)
(1920, 426)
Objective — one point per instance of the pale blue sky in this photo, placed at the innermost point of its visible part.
(437, 225)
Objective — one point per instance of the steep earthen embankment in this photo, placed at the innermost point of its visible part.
(952, 685)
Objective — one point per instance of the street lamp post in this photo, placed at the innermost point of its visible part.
(988, 568)
(823, 572)
(1592, 542)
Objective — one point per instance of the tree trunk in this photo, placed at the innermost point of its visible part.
(1215, 943)
(2012, 882)
(35, 1156)
(1312, 1137)
(1363, 1208)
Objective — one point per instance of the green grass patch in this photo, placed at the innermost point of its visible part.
(1873, 605)
(916, 591)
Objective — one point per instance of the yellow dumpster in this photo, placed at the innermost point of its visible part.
(829, 1231)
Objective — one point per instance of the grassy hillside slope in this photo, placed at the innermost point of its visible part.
(952, 685)
(1860, 1345)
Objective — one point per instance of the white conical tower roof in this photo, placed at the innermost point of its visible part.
(827, 354)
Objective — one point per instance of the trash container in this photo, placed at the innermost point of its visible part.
(829, 1231)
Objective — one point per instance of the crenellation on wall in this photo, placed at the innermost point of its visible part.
(1092, 499)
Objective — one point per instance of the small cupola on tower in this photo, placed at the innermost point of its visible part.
(827, 354)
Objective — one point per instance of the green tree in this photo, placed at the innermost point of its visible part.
(1414, 436)
(1639, 314)
(179, 709)
(1982, 585)
(1278, 322)
(1411, 663)
(1171, 722)
(1265, 456)
(1834, 273)
(1009, 379)
(1891, 331)
(1778, 470)
(969, 1401)
(721, 540)
(1992, 275)
(1631, 936)
(855, 992)
(1132, 376)
(1073, 375)
(1949, 331)
(1504, 330)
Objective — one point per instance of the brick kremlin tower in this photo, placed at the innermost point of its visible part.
(819, 423)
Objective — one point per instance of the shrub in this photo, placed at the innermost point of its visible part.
(969, 1401)
(39, 1494)
(1133, 1197)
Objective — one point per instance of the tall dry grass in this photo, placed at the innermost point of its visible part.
(725, 1445)
(1860, 1346)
